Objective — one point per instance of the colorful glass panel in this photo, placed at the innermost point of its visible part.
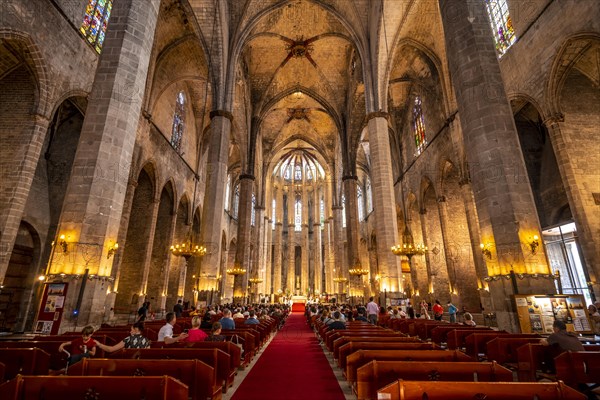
(298, 215)
(95, 22)
(178, 122)
(343, 211)
(504, 33)
(253, 214)
(361, 204)
(419, 126)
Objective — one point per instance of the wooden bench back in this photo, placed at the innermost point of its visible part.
(419, 390)
(377, 374)
(439, 334)
(456, 338)
(361, 357)
(103, 387)
(58, 360)
(503, 349)
(198, 376)
(350, 347)
(342, 340)
(476, 343)
(25, 362)
(578, 367)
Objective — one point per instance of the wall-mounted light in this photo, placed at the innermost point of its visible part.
(41, 278)
(485, 250)
(112, 250)
(534, 244)
(62, 242)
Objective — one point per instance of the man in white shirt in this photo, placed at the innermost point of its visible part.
(237, 314)
(372, 311)
(166, 332)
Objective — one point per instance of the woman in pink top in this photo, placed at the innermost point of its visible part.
(196, 334)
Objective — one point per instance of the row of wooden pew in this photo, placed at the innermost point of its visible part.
(199, 370)
(406, 362)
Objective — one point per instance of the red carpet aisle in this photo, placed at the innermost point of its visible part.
(293, 367)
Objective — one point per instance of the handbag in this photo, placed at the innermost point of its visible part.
(239, 342)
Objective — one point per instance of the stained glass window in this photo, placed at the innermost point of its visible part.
(504, 33)
(298, 172)
(361, 203)
(178, 122)
(322, 212)
(273, 214)
(95, 22)
(343, 211)
(298, 214)
(236, 201)
(369, 196)
(419, 125)
(227, 192)
(253, 212)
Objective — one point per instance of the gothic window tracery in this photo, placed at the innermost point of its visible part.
(273, 214)
(369, 196)
(343, 211)
(322, 214)
(227, 193)
(236, 201)
(419, 125)
(501, 23)
(253, 212)
(178, 122)
(95, 22)
(298, 214)
(361, 203)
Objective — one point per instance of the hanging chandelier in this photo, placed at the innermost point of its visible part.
(358, 270)
(236, 270)
(187, 249)
(255, 280)
(408, 247)
(340, 279)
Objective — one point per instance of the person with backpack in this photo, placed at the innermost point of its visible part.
(438, 311)
(452, 311)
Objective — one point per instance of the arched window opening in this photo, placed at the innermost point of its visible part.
(95, 22)
(361, 203)
(343, 211)
(322, 212)
(369, 196)
(419, 126)
(253, 212)
(502, 28)
(236, 201)
(298, 214)
(178, 122)
(228, 193)
(273, 214)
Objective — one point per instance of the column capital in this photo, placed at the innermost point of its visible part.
(337, 207)
(464, 181)
(259, 208)
(317, 224)
(247, 176)
(221, 113)
(348, 177)
(377, 114)
(441, 199)
(553, 119)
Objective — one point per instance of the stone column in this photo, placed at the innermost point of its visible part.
(585, 212)
(507, 212)
(349, 187)
(292, 241)
(428, 256)
(304, 283)
(329, 253)
(259, 254)
(213, 209)
(172, 265)
(384, 199)
(318, 266)
(94, 200)
(242, 254)
(277, 241)
(340, 264)
(268, 249)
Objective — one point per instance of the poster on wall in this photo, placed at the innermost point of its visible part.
(537, 313)
(51, 308)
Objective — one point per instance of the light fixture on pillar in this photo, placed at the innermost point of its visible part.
(408, 247)
(187, 248)
(358, 270)
(236, 270)
(255, 280)
(62, 242)
(485, 250)
(534, 243)
(112, 250)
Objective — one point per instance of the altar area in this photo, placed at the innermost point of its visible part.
(298, 303)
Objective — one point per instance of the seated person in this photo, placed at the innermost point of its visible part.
(135, 340)
(165, 334)
(81, 347)
(337, 322)
(469, 320)
(215, 334)
(361, 315)
(561, 339)
(227, 322)
(196, 334)
(252, 319)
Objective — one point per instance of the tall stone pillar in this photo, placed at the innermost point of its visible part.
(93, 203)
(329, 229)
(384, 199)
(259, 255)
(266, 264)
(242, 254)
(585, 212)
(304, 283)
(213, 209)
(502, 192)
(292, 241)
(340, 266)
(352, 235)
(318, 265)
(277, 241)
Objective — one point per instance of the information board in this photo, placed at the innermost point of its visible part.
(538, 312)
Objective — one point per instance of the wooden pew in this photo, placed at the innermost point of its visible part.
(532, 359)
(25, 362)
(339, 342)
(350, 347)
(359, 358)
(58, 360)
(341, 333)
(456, 338)
(424, 331)
(218, 359)
(503, 349)
(377, 374)
(228, 347)
(87, 387)
(2, 372)
(476, 343)
(439, 334)
(578, 368)
(198, 376)
(419, 390)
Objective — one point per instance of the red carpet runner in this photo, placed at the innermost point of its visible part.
(293, 367)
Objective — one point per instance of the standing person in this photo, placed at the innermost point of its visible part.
(135, 340)
(166, 332)
(452, 311)
(411, 311)
(142, 312)
(438, 310)
(178, 309)
(81, 347)
(425, 310)
(372, 310)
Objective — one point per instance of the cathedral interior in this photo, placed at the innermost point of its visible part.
(220, 151)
